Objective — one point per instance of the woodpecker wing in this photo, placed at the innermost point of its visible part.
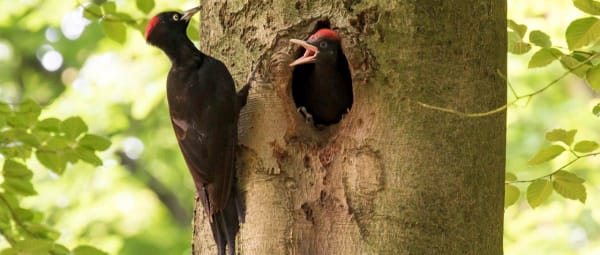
(204, 116)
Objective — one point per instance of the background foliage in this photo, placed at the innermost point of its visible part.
(89, 59)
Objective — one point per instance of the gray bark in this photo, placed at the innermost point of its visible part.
(393, 177)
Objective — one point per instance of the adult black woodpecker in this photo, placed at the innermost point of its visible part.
(204, 112)
(321, 80)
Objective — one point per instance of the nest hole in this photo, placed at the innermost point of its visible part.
(322, 87)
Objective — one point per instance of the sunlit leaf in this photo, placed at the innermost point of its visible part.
(520, 29)
(43, 230)
(588, 6)
(49, 124)
(59, 249)
(92, 12)
(516, 45)
(569, 185)
(585, 146)
(4, 108)
(114, 30)
(87, 250)
(73, 127)
(56, 143)
(88, 155)
(561, 135)
(593, 78)
(145, 6)
(540, 38)
(109, 7)
(546, 154)
(544, 57)
(19, 186)
(192, 31)
(583, 32)
(509, 177)
(511, 195)
(13, 169)
(52, 160)
(538, 191)
(570, 62)
(95, 142)
(596, 110)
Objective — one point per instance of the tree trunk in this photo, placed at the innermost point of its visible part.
(392, 177)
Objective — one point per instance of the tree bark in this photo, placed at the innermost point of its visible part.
(392, 177)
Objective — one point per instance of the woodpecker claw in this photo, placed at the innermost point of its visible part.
(308, 117)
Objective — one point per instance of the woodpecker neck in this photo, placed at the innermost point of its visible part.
(180, 50)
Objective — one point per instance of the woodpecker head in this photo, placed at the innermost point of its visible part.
(322, 46)
(167, 25)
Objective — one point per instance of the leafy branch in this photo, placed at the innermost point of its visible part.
(54, 143)
(564, 183)
(528, 96)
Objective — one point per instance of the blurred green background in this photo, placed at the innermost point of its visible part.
(140, 201)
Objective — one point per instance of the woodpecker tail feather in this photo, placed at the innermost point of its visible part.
(226, 223)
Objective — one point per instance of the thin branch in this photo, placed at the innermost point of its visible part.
(577, 157)
(517, 97)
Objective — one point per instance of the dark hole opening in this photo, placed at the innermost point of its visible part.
(322, 87)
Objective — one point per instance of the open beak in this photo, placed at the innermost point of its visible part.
(310, 53)
(187, 15)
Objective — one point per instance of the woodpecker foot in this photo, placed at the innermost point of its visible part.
(307, 116)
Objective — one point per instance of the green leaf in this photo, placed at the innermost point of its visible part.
(571, 63)
(538, 191)
(73, 127)
(510, 177)
(42, 230)
(569, 185)
(60, 249)
(87, 250)
(23, 214)
(30, 246)
(5, 108)
(540, 38)
(145, 5)
(52, 160)
(13, 169)
(109, 7)
(56, 143)
(114, 30)
(582, 32)
(593, 78)
(544, 57)
(92, 12)
(561, 135)
(27, 138)
(588, 6)
(49, 125)
(88, 155)
(585, 146)
(516, 45)
(518, 28)
(95, 142)
(192, 31)
(596, 110)
(19, 186)
(511, 195)
(98, 2)
(546, 154)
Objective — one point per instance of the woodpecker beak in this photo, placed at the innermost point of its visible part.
(310, 53)
(187, 15)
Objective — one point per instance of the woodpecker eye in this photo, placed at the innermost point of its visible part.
(175, 17)
(323, 44)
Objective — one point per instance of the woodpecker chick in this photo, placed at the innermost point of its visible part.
(321, 80)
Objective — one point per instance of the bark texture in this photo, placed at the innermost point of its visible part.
(392, 177)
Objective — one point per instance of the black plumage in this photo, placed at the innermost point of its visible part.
(321, 80)
(204, 112)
